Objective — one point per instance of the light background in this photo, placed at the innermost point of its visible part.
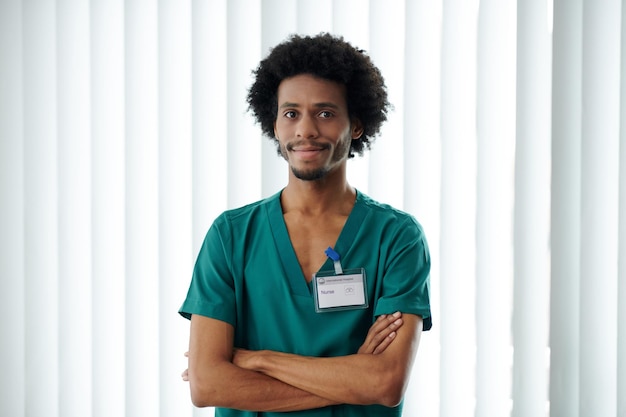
(124, 133)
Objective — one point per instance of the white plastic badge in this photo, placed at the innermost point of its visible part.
(346, 291)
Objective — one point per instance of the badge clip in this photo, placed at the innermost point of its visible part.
(330, 252)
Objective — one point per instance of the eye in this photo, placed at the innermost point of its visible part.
(290, 114)
(325, 114)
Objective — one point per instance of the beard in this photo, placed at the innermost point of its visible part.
(315, 174)
(310, 175)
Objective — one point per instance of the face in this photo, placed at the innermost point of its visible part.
(312, 126)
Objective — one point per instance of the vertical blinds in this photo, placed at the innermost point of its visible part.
(124, 133)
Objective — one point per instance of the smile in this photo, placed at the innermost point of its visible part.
(307, 154)
(307, 150)
(306, 147)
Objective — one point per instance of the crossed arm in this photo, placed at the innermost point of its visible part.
(272, 381)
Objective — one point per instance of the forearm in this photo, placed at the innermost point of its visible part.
(229, 386)
(354, 379)
(271, 381)
(215, 381)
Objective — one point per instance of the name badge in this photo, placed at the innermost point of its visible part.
(335, 292)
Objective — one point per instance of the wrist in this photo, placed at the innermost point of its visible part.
(261, 359)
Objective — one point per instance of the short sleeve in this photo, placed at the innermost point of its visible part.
(212, 291)
(406, 279)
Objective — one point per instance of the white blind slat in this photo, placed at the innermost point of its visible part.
(75, 208)
(621, 318)
(108, 213)
(387, 28)
(141, 203)
(565, 208)
(12, 286)
(495, 196)
(41, 262)
(422, 177)
(244, 144)
(532, 210)
(599, 199)
(175, 198)
(209, 114)
(458, 209)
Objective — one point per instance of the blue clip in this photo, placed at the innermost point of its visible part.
(335, 257)
(330, 252)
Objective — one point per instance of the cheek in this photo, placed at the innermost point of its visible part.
(278, 129)
(343, 148)
(283, 151)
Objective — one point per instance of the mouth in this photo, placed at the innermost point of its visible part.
(306, 150)
(307, 147)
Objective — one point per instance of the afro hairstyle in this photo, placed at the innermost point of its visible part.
(328, 57)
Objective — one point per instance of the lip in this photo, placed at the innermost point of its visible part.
(303, 146)
(307, 153)
(306, 150)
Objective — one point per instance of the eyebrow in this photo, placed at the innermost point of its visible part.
(317, 105)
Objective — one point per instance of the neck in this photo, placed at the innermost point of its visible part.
(329, 194)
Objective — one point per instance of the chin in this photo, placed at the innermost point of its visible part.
(310, 175)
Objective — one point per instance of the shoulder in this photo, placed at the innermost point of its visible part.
(247, 212)
(234, 224)
(381, 212)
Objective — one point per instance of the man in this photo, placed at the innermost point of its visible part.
(312, 300)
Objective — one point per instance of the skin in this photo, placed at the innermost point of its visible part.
(262, 393)
(314, 131)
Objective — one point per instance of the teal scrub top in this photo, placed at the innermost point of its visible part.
(247, 274)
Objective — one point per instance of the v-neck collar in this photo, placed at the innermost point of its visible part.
(291, 266)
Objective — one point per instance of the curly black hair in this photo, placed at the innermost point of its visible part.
(327, 57)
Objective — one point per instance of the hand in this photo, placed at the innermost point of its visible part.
(381, 334)
(185, 373)
(378, 338)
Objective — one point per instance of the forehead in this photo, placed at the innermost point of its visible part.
(307, 89)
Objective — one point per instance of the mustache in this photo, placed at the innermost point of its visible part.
(306, 143)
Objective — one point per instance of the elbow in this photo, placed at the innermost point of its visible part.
(200, 398)
(209, 386)
(392, 399)
(390, 390)
(199, 401)
(203, 393)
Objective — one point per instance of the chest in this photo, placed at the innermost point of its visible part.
(310, 237)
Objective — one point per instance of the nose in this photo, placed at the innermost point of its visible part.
(306, 128)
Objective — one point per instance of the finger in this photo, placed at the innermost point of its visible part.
(385, 343)
(381, 323)
(369, 342)
(383, 335)
(379, 331)
(381, 328)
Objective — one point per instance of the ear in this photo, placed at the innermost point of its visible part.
(356, 128)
